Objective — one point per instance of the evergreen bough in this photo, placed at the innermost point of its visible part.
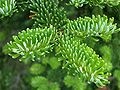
(47, 12)
(54, 33)
(7, 8)
(96, 26)
(31, 44)
(100, 3)
(82, 61)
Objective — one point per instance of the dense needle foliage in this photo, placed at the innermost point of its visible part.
(59, 44)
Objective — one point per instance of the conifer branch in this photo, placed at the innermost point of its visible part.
(96, 26)
(31, 44)
(82, 61)
(7, 8)
(47, 12)
(100, 3)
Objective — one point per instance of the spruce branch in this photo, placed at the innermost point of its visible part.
(47, 12)
(31, 44)
(23, 5)
(82, 61)
(51, 25)
(96, 26)
(100, 3)
(7, 8)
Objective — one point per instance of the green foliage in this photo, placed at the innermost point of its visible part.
(100, 3)
(117, 76)
(74, 82)
(2, 36)
(69, 54)
(7, 75)
(7, 7)
(31, 44)
(106, 53)
(54, 63)
(37, 69)
(23, 5)
(77, 3)
(82, 61)
(116, 50)
(47, 12)
(54, 86)
(41, 83)
(95, 26)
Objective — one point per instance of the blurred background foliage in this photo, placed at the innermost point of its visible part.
(15, 75)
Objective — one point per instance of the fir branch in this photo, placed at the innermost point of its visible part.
(79, 59)
(82, 61)
(96, 26)
(23, 5)
(47, 12)
(31, 44)
(7, 8)
(100, 3)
